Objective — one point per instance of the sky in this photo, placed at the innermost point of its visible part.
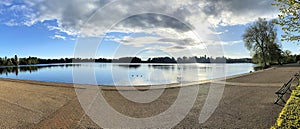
(119, 28)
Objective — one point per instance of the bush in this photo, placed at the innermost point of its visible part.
(289, 118)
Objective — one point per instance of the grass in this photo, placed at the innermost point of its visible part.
(289, 118)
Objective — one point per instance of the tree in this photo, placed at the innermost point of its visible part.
(259, 38)
(275, 53)
(9, 62)
(288, 58)
(289, 19)
(287, 53)
(16, 60)
(5, 61)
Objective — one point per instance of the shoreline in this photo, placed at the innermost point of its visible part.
(221, 80)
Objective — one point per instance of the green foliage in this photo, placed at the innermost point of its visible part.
(289, 19)
(28, 61)
(16, 61)
(289, 118)
(7, 62)
(288, 58)
(261, 39)
(274, 54)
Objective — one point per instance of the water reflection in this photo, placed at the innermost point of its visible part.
(130, 65)
(125, 74)
(31, 68)
(8, 70)
(162, 67)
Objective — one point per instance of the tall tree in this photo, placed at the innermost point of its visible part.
(259, 37)
(289, 19)
(16, 60)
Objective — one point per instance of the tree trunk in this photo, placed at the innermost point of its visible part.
(264, 60)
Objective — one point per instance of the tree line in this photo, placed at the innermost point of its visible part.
(286, 57)
(201, 59)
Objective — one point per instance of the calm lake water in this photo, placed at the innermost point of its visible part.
(124, 74)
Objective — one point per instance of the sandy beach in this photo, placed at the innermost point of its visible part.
(247, 102)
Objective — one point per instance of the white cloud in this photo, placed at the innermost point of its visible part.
(221, 32)
(138, 42)
(63, 30)
(11, 23)
(197, 18)
(6, 2)
(227, 42)
(73, 14)
(58, 37)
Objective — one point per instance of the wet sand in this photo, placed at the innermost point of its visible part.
(247, 102)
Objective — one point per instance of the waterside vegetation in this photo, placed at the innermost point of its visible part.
(202, 59)
(261, 40)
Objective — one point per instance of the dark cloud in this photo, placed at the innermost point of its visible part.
(178, 47)
(151, 20)
(179, 42)
(237, 7)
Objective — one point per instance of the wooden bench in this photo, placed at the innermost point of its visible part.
(286, 87)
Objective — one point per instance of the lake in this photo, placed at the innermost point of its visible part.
(122, 74)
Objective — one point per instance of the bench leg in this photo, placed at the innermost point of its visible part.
(279, 97)
(290, 90)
